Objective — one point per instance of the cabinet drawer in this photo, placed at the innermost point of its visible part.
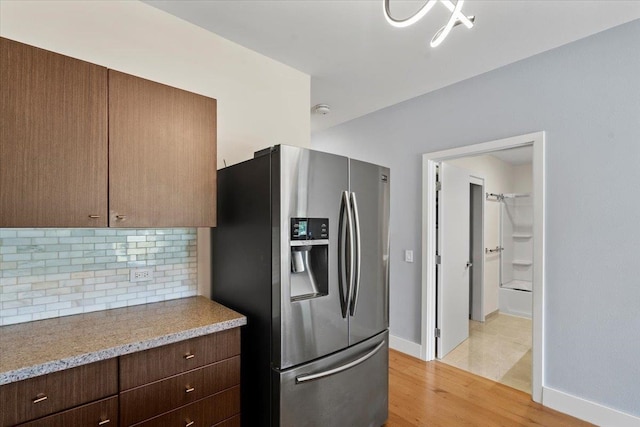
(206, 412)
(154, 364)
(144, 402)
(44, 395)
(103, 413)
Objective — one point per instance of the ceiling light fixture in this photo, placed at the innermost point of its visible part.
(457, 18)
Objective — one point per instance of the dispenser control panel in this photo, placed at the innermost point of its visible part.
(309, 228)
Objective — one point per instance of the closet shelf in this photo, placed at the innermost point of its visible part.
(521, 262)
(522, 236)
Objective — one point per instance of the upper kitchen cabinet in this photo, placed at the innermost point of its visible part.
(53, 139)
(162, 155)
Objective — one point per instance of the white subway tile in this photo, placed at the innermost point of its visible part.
(8, 296)
(60, 276)
(16, 257)
(71, 311)
(30, 309)
(106, 299)
(82, 274)
(8, 281)
(45, 315)
(71, 282)
(45, 300)
(27, 232)
(25, 302)
(11, 320)
(8, 250)
(57, 233)
(71, 296)
(70, 240)
(44, 240)
(59, 305)
(44, 285)
(58, 291)
(9, 312)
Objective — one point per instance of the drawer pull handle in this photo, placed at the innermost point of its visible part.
(189, 389)
(189, 356)
(94, 216)
(121, 217)
(40, 398)
(189, 423)
(103, 422)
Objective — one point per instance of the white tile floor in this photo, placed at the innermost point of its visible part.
(498, 349)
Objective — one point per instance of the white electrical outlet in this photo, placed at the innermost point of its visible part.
(408, 255)
(140, 274)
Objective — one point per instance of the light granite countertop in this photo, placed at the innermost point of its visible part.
(35, 348)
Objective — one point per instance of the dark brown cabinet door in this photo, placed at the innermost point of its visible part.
(154, 364)
(162, 155)
(53, 139)
(47, 394)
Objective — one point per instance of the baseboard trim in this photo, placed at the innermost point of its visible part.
(405, 346)
(586, 410)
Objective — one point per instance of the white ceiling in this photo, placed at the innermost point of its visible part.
(359, 64)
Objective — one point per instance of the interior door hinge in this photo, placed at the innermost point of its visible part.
(438, 186)
(438, 259)
(437, 332)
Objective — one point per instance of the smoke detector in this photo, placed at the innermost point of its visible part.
(321, 109)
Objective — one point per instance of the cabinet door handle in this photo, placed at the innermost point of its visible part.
(103, 422)
(94, 216)
(188, 423)
(40, 398)
(189, 356)
(189, 389)
(121, 217)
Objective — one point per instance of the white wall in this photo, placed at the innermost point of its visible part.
(498, 178)
(261, 102)
(522, 178)
(585, 96)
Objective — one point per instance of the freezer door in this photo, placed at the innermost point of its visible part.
(349, 388)
(311, 322)
(369, 308)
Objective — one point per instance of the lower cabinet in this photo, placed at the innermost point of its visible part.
(150, 400)
(213, 410)
(101, 413)
(45, 395)
(191, 383)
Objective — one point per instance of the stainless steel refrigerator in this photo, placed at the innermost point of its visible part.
(302, 249)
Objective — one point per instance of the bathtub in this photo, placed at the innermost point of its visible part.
(518, 301)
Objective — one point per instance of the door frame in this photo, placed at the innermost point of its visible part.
(428, 323)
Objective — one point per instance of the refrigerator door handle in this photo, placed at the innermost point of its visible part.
(358, 254)
(322, 374)
(345, 261)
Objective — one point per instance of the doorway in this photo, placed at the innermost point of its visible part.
(429, 261)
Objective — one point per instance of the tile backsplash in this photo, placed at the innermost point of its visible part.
(48, 272)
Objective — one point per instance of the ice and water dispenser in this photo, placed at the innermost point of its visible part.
(309, 244)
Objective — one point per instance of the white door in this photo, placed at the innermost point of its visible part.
(453, 247)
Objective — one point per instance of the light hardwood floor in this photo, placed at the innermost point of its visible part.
(435, 394)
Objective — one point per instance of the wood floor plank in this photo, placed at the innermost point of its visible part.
(435, 394)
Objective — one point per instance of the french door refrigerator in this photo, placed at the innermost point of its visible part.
(301, 248)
